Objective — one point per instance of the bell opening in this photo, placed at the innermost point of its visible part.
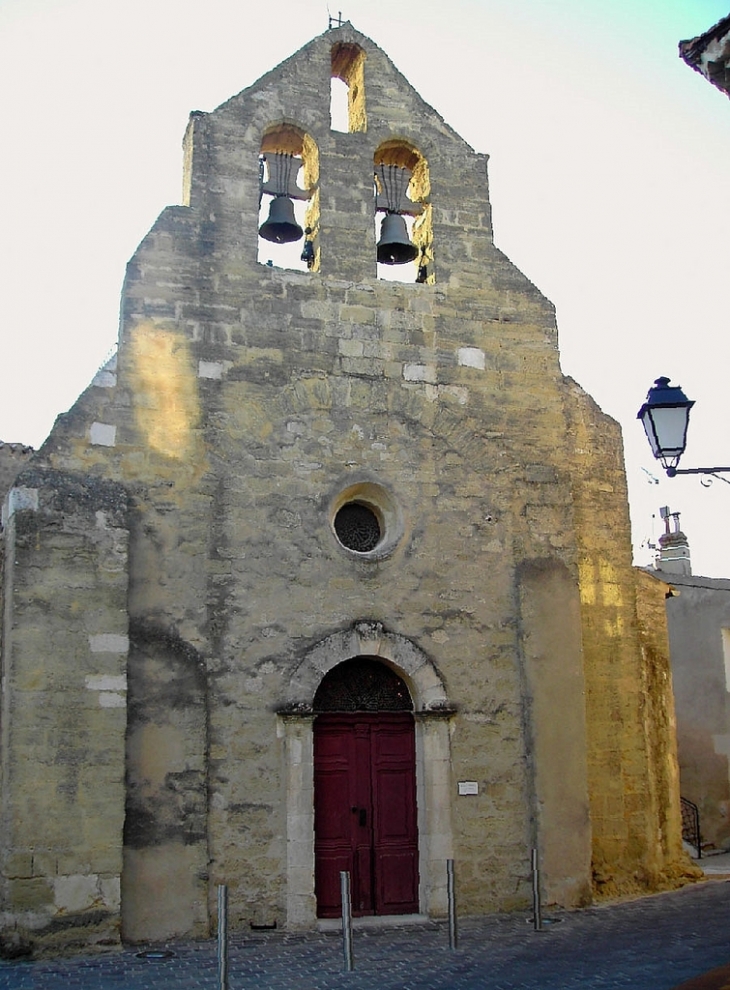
(339, 108)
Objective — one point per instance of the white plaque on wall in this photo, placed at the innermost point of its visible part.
(468, 787)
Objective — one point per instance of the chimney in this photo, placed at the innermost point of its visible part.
(673, 546)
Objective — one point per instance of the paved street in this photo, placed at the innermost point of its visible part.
(654, 943)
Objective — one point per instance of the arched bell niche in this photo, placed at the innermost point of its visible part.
(403, 211)
(348, 72)
(288, 198)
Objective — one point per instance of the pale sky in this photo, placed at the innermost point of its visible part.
(608, 177)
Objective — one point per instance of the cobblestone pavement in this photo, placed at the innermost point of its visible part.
(653, 943)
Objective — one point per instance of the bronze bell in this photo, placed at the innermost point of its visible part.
(282, 226)
(394, 246)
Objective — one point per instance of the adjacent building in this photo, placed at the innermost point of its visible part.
(709, 54)
(698, 623)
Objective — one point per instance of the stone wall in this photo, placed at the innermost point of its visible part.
(659, 700)
(12, 458)
(64, 653)
(632, 769)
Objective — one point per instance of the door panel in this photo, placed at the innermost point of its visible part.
(334, 754)
(361, 818)
(333, 822)
(365, 813)
(395, 832)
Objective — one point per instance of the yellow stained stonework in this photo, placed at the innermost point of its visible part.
(162, 372)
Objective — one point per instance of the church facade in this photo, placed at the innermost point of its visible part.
(325, 571)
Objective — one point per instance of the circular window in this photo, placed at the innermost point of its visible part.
(366, 520)
(358, 527)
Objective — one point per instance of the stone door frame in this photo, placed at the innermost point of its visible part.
(433, 764)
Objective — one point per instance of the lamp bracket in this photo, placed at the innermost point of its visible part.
(672, 471)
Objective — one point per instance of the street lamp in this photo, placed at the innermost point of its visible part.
(665, 418)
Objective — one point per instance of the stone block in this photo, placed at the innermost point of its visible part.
(29, 895)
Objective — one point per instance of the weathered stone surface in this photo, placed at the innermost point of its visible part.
(13, 457)
(64, 705)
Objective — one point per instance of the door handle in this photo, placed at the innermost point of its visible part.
(363, 816)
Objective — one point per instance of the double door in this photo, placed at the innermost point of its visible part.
(365, 813)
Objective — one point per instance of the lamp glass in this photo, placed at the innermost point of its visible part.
(666, 431)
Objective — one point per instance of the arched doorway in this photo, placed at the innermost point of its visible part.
(365, 815)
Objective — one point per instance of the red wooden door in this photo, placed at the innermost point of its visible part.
(365, 813)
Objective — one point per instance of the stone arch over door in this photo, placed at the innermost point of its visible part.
(433, 764)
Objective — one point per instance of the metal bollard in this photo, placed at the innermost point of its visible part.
(451, 894)
(346, 921)
(222, 937)
(537, 915)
